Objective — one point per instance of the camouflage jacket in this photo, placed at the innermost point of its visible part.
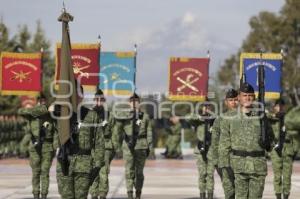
(242, 133)
(39, 127)
(143, 130)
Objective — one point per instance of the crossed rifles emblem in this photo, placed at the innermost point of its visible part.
(188, 83)
(79, 70)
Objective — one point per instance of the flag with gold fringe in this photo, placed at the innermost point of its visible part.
(20, 73)
(85, 61)
(272, 63)
(117, 73)
(188, 79)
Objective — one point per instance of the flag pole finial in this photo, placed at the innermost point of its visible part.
(208, 54)
(63, 6)
(135, 48)
(99, 39)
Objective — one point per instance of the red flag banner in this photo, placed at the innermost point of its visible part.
(27, 100)
(85, 61)
(20, 73)
(188, 79)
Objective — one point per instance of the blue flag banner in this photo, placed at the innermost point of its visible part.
(117, 73)
(272, 63)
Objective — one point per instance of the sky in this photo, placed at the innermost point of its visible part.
(161, 28)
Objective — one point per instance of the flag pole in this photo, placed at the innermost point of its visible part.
(42, 56)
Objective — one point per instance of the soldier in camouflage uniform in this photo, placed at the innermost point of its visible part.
(231, 102)
(99, 185)
(241, 147)
(75, 176)
(282, 157)
(173, 147)
(136, 146)
(204, 153)
(40, 133)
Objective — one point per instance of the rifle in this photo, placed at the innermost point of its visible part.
(265, 142)
(282, 133)
(204, 145)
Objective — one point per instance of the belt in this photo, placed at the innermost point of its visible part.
(142, 136)
(81, 152)
(248, 153)
(48, 140)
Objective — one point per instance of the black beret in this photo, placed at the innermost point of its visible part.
(135, 97)
(246, 88)
(99, 92)
(280, 101)
(231, 93)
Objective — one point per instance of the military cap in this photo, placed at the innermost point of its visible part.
(246, 88)
(231, 93)
(42, 96)
(135, 97)
(280, 101)
(99, 93)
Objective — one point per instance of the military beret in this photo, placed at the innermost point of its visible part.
(135, 97)
(246, 88)
(99, 92)
(42, 96)
(280, 101)
(231, 93)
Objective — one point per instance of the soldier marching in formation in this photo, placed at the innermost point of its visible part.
(231, 102)
(40, 138)
(97, 135)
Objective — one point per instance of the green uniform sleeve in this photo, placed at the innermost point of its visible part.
(224, 144)
(149, 133)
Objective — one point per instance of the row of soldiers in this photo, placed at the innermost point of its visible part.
(232, 144)
(11, 134)
(229, 144)
(84, 161)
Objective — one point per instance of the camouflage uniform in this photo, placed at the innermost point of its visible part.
(135, 155)
(75, 185)
(240, 148)
(41, 149)
(100, 183)
(205, 161)
(282, 164)
(173, 141)
(227, 182)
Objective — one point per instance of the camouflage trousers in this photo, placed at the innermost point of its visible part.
(73, 186)
(205, 175)
(40, 165)
(134, 168)
(100, 186)
(282, 169)
(228, 185)
(249, 186)
(173, 146)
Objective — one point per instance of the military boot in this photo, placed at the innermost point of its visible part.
(130, 194)
(202, 196)
(210, 195)
(278, 195)
(44, 196)
(36, 196)
(286, 196)
(138, 194)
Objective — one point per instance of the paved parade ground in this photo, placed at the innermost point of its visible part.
(164, 179)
